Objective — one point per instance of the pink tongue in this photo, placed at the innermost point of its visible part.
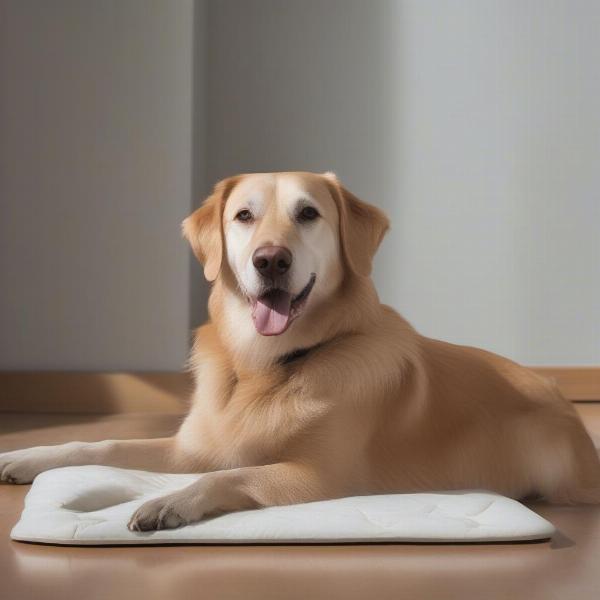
(271, 313)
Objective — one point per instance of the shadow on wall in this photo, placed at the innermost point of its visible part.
(324, 100)
(199, 288)
(307, 85)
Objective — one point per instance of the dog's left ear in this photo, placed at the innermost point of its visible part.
(362, 227)
(203, 229)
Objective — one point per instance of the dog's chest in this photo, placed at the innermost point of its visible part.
(260, 426)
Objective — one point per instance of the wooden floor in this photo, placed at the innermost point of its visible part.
(566, 568)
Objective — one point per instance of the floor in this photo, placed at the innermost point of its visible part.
(567, 567)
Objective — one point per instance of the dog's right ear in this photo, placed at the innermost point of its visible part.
(203, 229)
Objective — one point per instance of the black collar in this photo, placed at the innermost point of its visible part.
(286, 359)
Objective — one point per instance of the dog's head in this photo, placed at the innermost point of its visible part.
(288, 239)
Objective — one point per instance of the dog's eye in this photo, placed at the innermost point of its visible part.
(244, 215)
(308, 213)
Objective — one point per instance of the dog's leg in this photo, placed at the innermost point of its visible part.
(160, 454)
(236, 489)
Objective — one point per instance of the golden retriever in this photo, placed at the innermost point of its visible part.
(308, 388)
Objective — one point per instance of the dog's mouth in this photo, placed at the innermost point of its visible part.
(274, 310)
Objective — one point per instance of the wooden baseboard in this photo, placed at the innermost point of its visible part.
(72, 392)
(169, 392)
(581, 384)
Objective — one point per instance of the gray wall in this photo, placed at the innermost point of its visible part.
(95, 177)
(497, 210)
(474, 124)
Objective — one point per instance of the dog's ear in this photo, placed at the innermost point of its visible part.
(203, 229)
(362, 227)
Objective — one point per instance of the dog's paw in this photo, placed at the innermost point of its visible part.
(168, 512)
(20, 466)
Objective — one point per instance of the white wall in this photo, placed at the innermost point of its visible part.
(474, 123)
(498, 212)
(95, 177)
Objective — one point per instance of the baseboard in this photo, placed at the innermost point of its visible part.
(169, 392)
(581, 384)
(71, 392)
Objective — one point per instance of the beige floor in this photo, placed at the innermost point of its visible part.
(566, 568)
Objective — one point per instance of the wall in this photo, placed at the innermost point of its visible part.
(474, 124)
(498, 210)
(95, 178)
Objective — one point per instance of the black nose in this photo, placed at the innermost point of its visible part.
(272, 261)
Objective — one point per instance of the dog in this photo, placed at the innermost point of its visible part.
(308, 388)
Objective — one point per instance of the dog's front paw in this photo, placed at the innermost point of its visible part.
(168, 512)
(20, 466)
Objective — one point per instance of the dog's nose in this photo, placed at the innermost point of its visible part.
(272, 261)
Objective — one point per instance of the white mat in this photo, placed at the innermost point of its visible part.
(92, 505)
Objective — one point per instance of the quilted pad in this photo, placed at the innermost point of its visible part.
(92, 505)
